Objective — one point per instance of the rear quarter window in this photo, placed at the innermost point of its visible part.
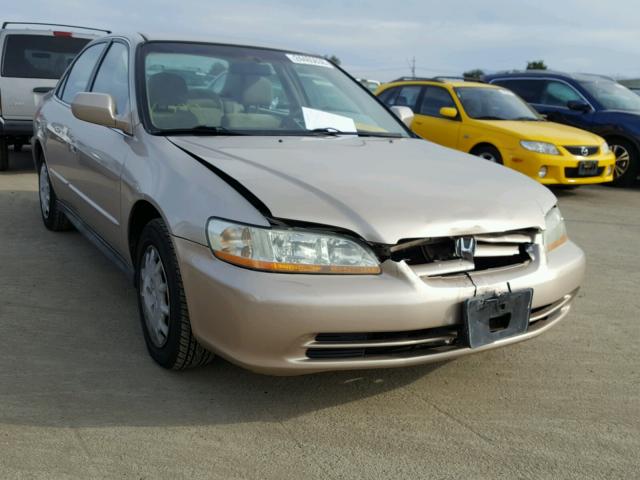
(39, 56)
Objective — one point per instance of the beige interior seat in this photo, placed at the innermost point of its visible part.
(258, 93)
(168, 102)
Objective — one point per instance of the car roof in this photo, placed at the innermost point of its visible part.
(451, 81)
(548, 73)
(38, 28)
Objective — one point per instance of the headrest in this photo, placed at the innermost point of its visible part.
(167, 89)
(259, 92)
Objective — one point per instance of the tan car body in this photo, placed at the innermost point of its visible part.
(109, 178)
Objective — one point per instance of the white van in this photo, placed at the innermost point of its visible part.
(34, 56)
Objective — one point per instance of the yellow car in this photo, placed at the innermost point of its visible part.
(497, 125)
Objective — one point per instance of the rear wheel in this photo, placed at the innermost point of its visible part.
(489, 153)
(162, 303)
(52, 216)
(4, 155)
(627, 163)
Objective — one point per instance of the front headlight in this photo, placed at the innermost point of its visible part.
(289, 250)
(540, 147)
(604, 149)
(555, 232)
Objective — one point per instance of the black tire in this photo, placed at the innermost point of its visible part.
(4, 155)
(625, 174)
(489, 153)
(180, 349)
(52, 217)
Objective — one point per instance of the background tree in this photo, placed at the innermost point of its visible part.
(333, 58)
(536, 65)
(475, 73)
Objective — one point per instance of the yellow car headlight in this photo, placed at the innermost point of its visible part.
(604, 149)
(287, 250)
(540, 147)
(555, 231)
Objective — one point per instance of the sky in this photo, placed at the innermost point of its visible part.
(378, 39)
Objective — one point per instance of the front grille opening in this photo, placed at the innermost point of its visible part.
(578, 151)
(439, 340)
(443, 249)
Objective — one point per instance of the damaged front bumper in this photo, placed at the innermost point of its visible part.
(281, 324)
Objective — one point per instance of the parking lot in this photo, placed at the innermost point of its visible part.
(80, 397)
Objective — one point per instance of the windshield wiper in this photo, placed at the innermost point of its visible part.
(202, 130)
(530, 119)
(335, 132)
(488, 117)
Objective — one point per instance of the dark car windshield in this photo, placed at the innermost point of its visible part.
(209, 88)
(484, 103)
(39, 56)
(611, 95)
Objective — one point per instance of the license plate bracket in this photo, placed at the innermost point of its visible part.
(587, 168)
(489, 318)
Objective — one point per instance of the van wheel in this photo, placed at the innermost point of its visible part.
(162, 302)
(627, 163)
(4, 155)
(488, 153)
(54, 219)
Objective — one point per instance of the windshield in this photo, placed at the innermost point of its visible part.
(224, 89)
(611, 95)
(484, 103)
(39, 56)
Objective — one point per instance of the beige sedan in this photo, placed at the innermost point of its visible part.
(271, 211)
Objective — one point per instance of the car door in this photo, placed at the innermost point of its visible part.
(430, 124)
(102, 151)
(60, 129)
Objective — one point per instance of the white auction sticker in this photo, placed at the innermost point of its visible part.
(308, 60)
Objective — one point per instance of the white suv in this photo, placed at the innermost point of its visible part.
(33, 59)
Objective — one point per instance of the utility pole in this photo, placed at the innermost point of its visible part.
(413, 67)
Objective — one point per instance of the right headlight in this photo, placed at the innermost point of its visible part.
(288, 250)
(555, 232)
(540, 147)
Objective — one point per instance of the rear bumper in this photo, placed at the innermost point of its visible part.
(16, 128)
(560, 168)
(269, 322)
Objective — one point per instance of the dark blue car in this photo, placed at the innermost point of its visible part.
(591, 102)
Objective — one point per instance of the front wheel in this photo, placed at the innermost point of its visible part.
(488, 153)
(627, 163)
(162, 303)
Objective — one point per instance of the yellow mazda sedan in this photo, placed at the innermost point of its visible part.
(497, 125)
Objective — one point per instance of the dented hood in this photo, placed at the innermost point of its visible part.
(384, 190)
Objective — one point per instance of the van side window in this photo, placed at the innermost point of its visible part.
(113, 76)
(78, 78)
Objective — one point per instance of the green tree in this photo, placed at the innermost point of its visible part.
(333, 58)
(536, 65)
(476, 73)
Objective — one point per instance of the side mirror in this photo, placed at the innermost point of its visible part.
(578, 106)
(449, 112)
(405, 114)
(98, 108)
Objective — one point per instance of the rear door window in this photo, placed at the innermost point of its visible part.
(78, 78)
(407, 96)
(529, 90)
(39, 56)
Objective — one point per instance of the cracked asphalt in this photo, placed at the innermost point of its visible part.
(81, 399)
